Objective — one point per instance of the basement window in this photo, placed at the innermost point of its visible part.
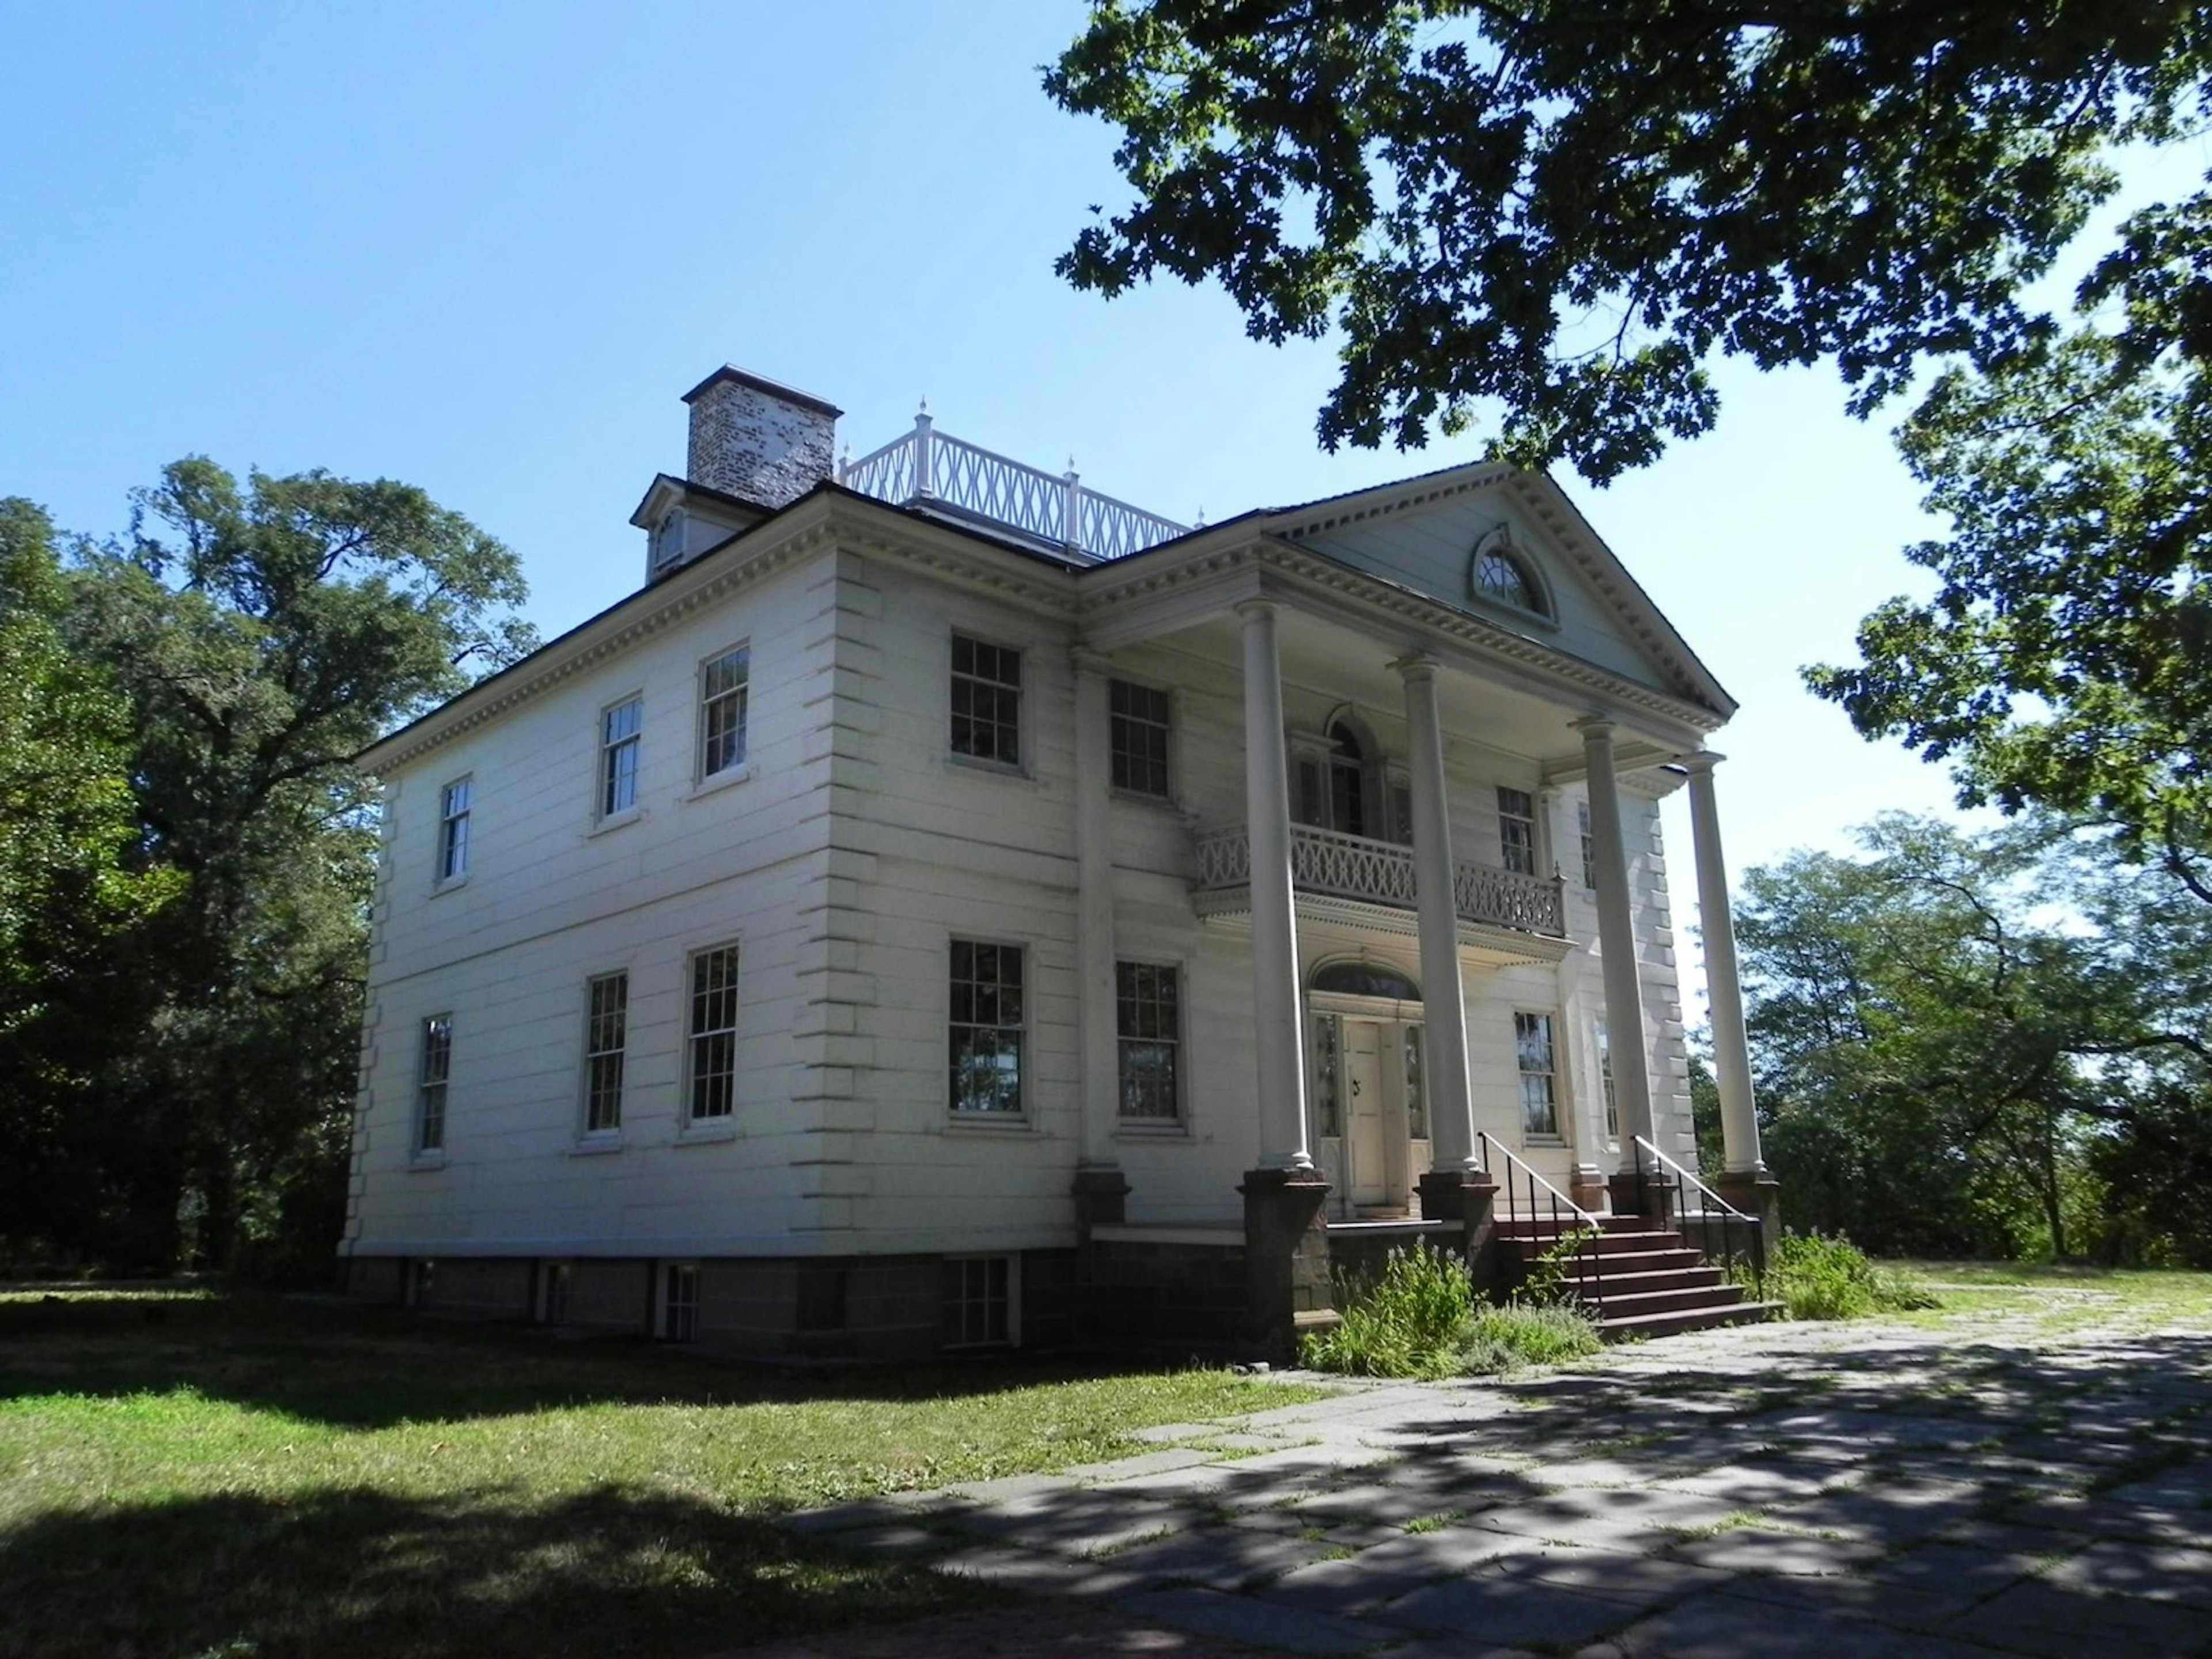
(980, 1294)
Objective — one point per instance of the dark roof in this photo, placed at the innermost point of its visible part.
(772, 388)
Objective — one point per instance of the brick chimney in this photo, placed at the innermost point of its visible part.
(758, 440)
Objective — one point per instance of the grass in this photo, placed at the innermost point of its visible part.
(1816, 1277)
(185, 1475)
(1420, 1320)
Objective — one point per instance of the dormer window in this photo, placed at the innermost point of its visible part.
(668, 538)
(1501, 575)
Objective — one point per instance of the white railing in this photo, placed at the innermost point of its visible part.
(1381, 872)
(927, 465)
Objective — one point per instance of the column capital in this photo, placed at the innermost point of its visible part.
(1254, 608)
(1415, 665)
(1703, 761)
(1595, 727)
(1088, 661)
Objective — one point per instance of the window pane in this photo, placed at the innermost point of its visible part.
(619, 745)
(714, 1041)
(436, 1068)
(1517, 831)
(605, 1043)
(1150, 1029)
(722, 691)
(986, 701)
(985, 1028)
(1139, 737)
(1532, 1042)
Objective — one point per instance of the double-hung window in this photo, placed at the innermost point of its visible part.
(607, 1021)
(1148, 1020)
(1517, 831)
(714, 1034)
(1589, 843)
(453, 829)
(621, 741)
(1539, 1100)
(986, 1029)
(722, 691)
(987, 701)
(435, 1069)
(1139, 737)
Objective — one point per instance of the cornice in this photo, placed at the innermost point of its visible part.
(1317, 570)
(643, 615)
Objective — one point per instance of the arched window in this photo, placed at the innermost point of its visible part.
(1347, 780)
(1501, 575)
(1365, 979)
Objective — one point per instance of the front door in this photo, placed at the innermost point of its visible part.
(1363, 1110)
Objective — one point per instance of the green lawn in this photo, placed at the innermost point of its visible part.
(185, 1475)
(2063, 1297)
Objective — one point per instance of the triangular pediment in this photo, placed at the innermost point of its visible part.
(1460, 535)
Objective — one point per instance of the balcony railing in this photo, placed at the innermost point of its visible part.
(1381, 872)
(928, 467)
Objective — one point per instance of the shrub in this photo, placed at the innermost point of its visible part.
(1413, 1322)
(1506, 1339)
(1816, 1277)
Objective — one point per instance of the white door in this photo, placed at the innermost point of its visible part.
(1363, 1111)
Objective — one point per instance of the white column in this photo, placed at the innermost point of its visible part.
(1443, 1000)
(1094, 912)
(1723, 990)
(1616, 932)
(1281, 1052)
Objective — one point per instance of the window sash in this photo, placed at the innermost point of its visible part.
(679, 1304)
(1517, 831)
(987, 701)
(1139, 737)
(724, 688)
(713, 1033)
(1531, 1045)
(986, 1029)
(979, 1295)
(454, 808)
(1606, 1084)
(1590, 842)
(1417, 1088)
(1327, 1103)
(1148, 1024)
(605, 1041)
(620, 743)
(431, 1082)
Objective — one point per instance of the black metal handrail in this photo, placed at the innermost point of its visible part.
(1524, 1195)
(1673, 1184)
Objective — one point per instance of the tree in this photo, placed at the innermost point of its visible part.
(262, 635)
(1565, 207)
(2065, 660)
(1957, 1037)
(67, 837)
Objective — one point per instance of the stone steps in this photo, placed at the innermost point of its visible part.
(1637, 1279)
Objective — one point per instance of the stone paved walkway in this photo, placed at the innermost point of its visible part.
(1975, 1489)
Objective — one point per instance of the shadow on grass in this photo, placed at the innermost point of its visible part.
(361, 1366)
(353, 1571)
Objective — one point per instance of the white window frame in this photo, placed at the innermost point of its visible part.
(598, 1134)
(1165, 726)
(433, 1093)
(456, 828)
(668, 1306)
(1020, 689)
(1024, 1052)
(727, 770)
(1176, 1120)
(1526, 821)
(1522, 1072)
(609, 751)
(691, 1118)
(1012, 1337)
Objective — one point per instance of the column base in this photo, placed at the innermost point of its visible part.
(1287, 1288)
(1470, 1198)
(1755, 1192)
(1632, 1196)
(1587, 1188)
(1101, 1195)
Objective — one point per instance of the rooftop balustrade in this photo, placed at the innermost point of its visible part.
(928, 468)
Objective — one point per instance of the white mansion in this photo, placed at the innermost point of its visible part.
(946, 906)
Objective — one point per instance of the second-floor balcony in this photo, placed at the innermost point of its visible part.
(1378, 874)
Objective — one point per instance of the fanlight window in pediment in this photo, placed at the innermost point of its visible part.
(1501, 574)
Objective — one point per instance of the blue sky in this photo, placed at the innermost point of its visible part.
(485, 248)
